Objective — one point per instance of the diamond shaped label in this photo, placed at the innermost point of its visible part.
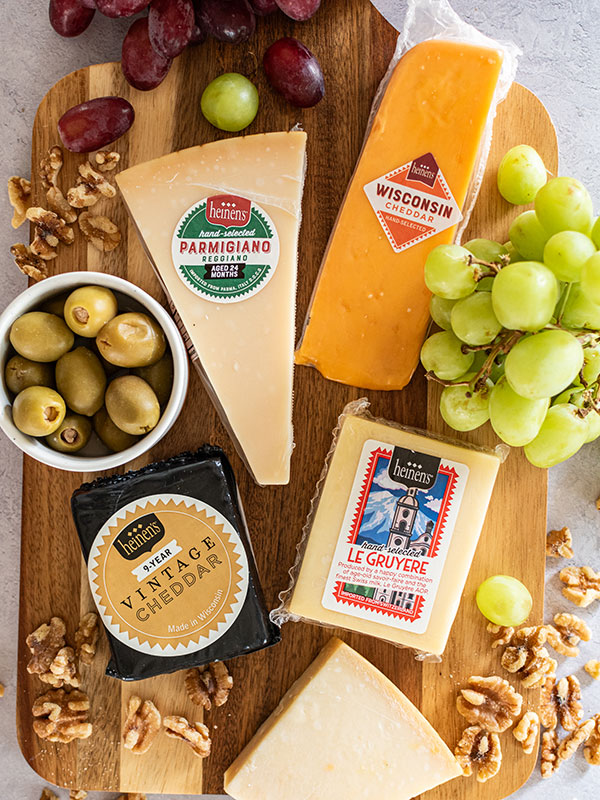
(413, 202)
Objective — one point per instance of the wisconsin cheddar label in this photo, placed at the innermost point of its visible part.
(168, 574)
(413, 202)
(225, 248)
(394, 540)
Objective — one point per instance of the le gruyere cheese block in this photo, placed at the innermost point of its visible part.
(342, 731)
(370, 307)
(394, 534)
(220, 223)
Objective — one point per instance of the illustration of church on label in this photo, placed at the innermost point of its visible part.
(403, 523)
(404, 600)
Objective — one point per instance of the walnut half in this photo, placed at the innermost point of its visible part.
(209, 685)
(479, 750)
(527, 657)
(566, 633)
(62, 716)
(99, 231)
(193, 733)
(591, 751)
(561, 702)
(31, 265)
(527, 731)
(89, 187)
(490, 703)
(559, 543)
(19, 196)
(141, 726)
(549, 759)
(44, 644)
(50, 229)
(582, 585)
(86, 638)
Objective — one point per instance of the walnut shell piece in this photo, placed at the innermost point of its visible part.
(582, 585)
(106, 160)
(89, 187)
(561, 702)
(549, 758)
(527, 657)
(209, 685)
(141, 726)
(195, 734)
(566, 633)
(527, 731)
(19, 196)
(86, 637)
(50, 166)
(31, 265)
(99, 231)
(62, 716)
(591, 751)
(479, 750)
(490, 703)
(592, 668)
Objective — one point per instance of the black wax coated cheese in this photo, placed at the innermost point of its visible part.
(205, 475)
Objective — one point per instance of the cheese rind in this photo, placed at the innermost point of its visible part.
(245, 349)
(342, 731)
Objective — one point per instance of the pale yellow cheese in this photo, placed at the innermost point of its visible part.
(306, 600)
(343, 731)
(245, 349)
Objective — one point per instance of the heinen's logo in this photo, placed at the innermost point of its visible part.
(139, 537)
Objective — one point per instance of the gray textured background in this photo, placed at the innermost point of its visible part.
(561, 62)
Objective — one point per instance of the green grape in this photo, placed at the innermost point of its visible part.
(442, 355)
(230, 102)
(595, 233)
(485, 284)
(528, 237)
(575, 395)
(564, 204)
(579, 311)
(524, 296)
(565, 254)
(440, 309)
(504, 600)
(479, 360)
(544, 364)
(486, 250)
(497, 370)
(473, 319)
(448, 272)
(590, 278)
(462, 408)
(520, 175)
(515, 419)
(513, 253)
(593, 426)
(562, 434)
(591, 364)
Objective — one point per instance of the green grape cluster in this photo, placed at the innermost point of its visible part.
(520, 322)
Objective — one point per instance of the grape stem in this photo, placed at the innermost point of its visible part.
(431, 376)
(493, 267)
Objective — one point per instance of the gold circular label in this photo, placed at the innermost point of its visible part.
(168, 574)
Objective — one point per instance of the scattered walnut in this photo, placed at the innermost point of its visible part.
(549, 762)
(480, 750)
(99, 231)
(489, 702)
(504, 635)
(90, 185)
(50, 166)
(31, 265)
(106, 160)
(19, 196)
(50, 229)
(44, 643)
(1, 690)
(57, 202)
(193, 733)
(77, 794)
(527, 731)
(131, 796)
(86, 637)
(598, 504)
(559, 543)
(561, 702)
(570, 744)
(48, 794)
(593, 669)
(566, 633)
(209, 685)
(582, 585)
(141, 726)
(63, 670)
(62, 716)
(527, 656)
(591, 751)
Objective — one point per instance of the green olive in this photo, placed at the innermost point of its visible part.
(114, 438)
(40, 336)
(132, 404)
(38, 411)
(89, 308)
(81, 381)
(131, 340)
(73, 434)
(160, 377)
(20, 373)
(56, 305)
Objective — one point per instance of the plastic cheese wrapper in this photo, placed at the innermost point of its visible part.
(171, 567)
(413, 188)
(391, 533)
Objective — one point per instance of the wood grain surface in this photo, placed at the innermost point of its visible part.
(354, 44)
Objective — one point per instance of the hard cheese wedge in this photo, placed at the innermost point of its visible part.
(370, 308)
(342, 731)
(220, 223)
(394, 534)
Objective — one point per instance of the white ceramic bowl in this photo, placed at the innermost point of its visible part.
(136, 298)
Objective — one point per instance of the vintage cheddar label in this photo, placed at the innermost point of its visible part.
(413, 202)
(395, 536)
(225, 248)
(168, 574)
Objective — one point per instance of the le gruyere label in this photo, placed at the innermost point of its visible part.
(168, 574)
(225, 248)
(413, 202)
(395, 536)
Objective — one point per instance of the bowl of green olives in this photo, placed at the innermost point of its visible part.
(94, 371)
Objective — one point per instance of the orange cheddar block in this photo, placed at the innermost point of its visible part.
(370, 308)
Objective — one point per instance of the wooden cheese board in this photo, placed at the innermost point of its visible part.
(53, 576)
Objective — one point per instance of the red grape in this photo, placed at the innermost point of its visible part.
(263, 7)
(170, 26)
(142, 66)
(294, 72)
(89, 3)
(299, 9)
(94, 124)
(231, 21)
(69, 17)
(198, 34)
(121, 8)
